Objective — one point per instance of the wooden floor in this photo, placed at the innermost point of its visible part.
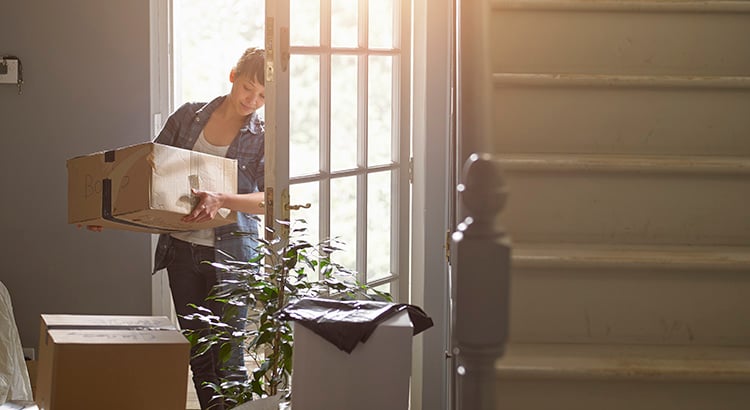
(192, 398)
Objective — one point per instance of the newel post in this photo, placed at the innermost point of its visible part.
(480, 285)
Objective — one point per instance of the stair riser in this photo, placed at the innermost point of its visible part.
(628, 208)
(636, 43)
(630, 307)
(625, 120)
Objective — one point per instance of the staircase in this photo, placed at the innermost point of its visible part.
(623, 129)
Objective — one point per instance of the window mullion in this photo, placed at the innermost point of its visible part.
(325, 121)
(362, 104)
(400, 211)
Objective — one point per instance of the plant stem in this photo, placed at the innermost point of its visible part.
(281, 286)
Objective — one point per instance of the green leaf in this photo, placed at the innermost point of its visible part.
(192, 337)
(225, 352)
(202, 349)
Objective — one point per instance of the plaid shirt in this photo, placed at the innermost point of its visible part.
(182, 130)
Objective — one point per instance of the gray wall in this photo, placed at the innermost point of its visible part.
(86, 72)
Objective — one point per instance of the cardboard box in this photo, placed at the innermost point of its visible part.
(374, 376)
(19, 405)
(31, 369)
(146, 187)
(112, 362)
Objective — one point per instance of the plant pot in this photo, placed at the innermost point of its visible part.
(266, 403)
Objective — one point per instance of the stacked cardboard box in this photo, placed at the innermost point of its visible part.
(111, 362)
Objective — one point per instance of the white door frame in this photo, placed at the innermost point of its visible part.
(433, 193)
(160, 15)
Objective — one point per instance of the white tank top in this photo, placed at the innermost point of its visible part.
(204, 236)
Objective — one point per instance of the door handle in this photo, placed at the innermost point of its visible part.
(297, 207)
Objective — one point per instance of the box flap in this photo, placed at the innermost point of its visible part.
(59, 321)
(115, 337)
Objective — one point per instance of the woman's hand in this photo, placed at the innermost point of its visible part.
(208, 205)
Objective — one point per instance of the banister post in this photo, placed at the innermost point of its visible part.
(480, 275)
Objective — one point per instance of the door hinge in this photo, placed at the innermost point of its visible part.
(268, 206)
(448, 247)
(411, 170)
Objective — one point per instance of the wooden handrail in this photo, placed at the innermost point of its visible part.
(481, 255)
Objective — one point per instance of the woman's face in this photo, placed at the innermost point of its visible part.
(247, 94)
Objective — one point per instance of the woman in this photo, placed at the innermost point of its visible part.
(229, 127)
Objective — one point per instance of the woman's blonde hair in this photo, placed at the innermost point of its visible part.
(252, 64)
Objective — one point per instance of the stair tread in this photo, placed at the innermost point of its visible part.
(671, 164)
(714, 257)
(665, 362)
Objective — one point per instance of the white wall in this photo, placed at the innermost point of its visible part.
(86, 72)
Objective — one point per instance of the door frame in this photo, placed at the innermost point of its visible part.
(160, 38)
(433, 151)
(433, 193)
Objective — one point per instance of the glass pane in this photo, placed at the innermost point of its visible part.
(388, 288)
(301, 194)
(304, 115)
(379, 225)
(381, 24)
(344, 220)
(208, 45)
(343, 112)
(304, 22)
(380, 110)
(344, 23)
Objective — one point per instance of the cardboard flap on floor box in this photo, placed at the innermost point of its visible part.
(146, 187)
(62, 321)
(87, 360)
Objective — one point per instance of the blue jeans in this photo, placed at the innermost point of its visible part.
(191, 281)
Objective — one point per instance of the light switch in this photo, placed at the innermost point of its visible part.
(9, 71)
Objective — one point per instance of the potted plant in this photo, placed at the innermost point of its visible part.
(282, 272)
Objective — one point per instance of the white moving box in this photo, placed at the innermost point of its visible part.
(375, 376)
(146, 187)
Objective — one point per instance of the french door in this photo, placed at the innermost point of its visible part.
(337, 129)
(338, 119)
